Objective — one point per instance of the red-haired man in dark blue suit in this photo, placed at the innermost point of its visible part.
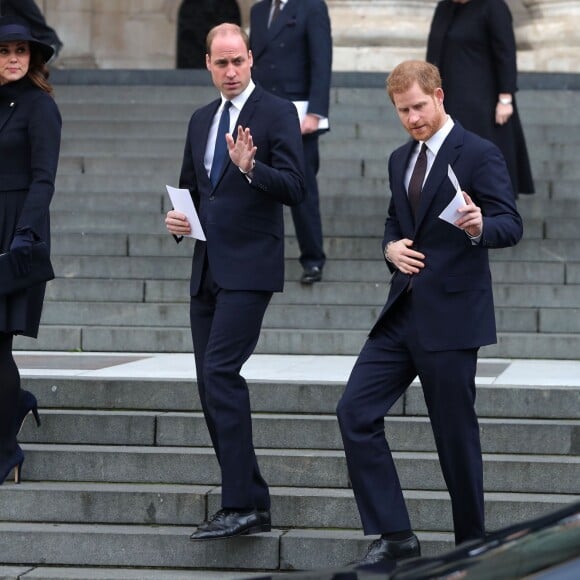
(438, 313)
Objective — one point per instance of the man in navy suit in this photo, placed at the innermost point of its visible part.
(292, 46)
(241, 263)
(438, 313)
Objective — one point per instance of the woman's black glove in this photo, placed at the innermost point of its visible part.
(21, 252)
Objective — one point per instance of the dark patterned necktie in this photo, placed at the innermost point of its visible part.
(221, 148)
(417, 178)
(276, 11)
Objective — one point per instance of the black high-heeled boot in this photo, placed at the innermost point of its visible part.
(11, 459)
(27, 403)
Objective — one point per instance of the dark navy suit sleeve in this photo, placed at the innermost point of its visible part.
(320, 48)
(279, 174)
(498, 19)
(44, 128)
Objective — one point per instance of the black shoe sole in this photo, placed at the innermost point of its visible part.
(253, 530)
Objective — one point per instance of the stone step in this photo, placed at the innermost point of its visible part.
(169, 546)
(374, 104)
(529, 206)
(111, 283)
(128, 95)
(117, 288)
(155, 504)
(497, 396)
(520, 473)
(167, 168)
(71, 215)
(286, 314)
(274, 430)
(41, 572)
(358, 189)
(525, 345)
(168, 146)
(80, 183)
(80, 204)
(348, 248)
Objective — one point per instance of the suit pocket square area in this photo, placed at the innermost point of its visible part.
(40, 270)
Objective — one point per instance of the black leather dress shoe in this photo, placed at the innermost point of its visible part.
(311, 275)
(228, 523)
(382, 550)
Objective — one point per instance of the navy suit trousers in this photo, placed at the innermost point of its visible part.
(387, 364)
(225, 327)
(306, 215)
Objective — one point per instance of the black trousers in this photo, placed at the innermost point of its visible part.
(306, 215)
(387, 364)
(225, 327)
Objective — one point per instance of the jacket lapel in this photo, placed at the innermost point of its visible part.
(259, 32)
(404, 211)
(244, 119)
(6, 111)
(199, 145)
(446, 156)
(287, 15)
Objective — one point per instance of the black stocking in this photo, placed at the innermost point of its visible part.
(9, 391)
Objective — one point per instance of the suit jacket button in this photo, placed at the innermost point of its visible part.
(211, 197)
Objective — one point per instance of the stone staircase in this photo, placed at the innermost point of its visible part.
(122, 281)
(121, 470)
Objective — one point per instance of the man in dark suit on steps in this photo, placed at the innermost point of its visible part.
(438, 313)
(292, 46)
(239, 192)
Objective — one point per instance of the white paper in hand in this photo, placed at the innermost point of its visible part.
(450, 213)
(182, 202)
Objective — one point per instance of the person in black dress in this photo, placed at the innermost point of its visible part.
(30, 127)
(472, 43)
(194, 20)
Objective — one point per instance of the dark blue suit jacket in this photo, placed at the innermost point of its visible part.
(243, 222)
(452, 295)
(293, 58)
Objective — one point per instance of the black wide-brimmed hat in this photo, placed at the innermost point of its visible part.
(12, 30)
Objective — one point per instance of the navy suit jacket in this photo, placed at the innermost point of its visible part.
(293, 58)
(243, 222)
(452, 294)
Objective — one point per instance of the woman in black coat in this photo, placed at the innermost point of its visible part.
(30, 126)
(472, 43)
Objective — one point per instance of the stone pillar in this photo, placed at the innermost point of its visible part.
(375, 35)
(368, 35)
(113, 33)
(553, 32)
(73, 22)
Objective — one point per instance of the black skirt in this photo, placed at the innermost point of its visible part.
(19, 312)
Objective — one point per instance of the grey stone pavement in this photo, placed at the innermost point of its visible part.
(319, 368)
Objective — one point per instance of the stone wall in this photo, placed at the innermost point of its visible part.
(369, 35)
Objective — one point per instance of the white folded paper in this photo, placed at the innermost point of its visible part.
(450, 213)
(182, 202)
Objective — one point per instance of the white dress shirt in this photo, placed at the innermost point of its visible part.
(237, 104)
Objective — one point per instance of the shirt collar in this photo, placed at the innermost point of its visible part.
(435, 142)
(240, 100)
